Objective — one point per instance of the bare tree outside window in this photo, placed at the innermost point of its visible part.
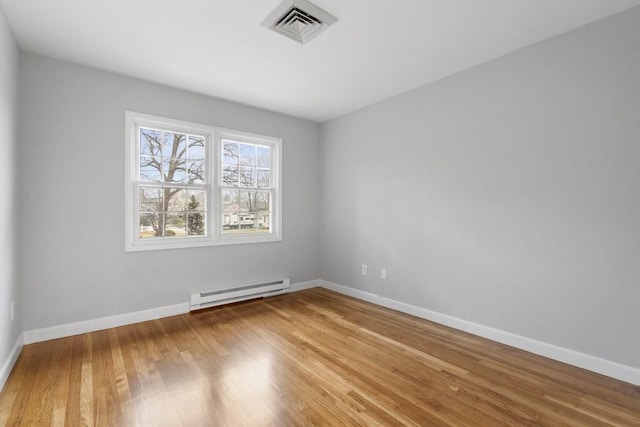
(169, 163)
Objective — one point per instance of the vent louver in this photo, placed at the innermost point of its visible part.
(298, 20)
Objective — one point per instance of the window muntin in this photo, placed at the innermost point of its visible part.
(195, 185)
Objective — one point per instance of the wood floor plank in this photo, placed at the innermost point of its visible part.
(61, 384)
(86, 395)
(26, 409)
(16, 384)
(313, 357)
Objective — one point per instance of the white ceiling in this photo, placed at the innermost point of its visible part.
(377, 49)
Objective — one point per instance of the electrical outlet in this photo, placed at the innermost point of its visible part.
(383, 274)
(364, 270)
(13, 310)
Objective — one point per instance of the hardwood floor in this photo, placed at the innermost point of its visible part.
(308, 358)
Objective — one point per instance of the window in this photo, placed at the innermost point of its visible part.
(196, 185)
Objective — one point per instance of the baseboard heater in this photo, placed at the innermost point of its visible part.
(242, 293)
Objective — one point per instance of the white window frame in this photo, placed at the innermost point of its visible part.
(213, 185)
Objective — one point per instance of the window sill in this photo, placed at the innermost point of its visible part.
(140, 246)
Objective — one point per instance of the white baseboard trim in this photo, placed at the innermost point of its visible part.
(76, 328)
(295, 287)
(69, 329)
(595, 364)
(7, 366)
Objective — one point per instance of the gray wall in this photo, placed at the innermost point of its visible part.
(506, 195)
(72, 181)
(9, 287)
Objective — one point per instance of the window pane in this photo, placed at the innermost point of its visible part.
(263, 178)
(173, 145)
(196, 224)
(176, 225)
(247, 154)
(196, 148)
(263, 201)
(229, 175)
(255, 212)
(176, 200)
(148, 225)
(195, 170)
(197, 201)
(230, 152)
(150, 199)
(264, 156)
(264, 222)
(174, 170)
(150, 169)
(263, 212)
(247, 201)
(230, 211)
(247, 177)
(247, 222)
(150, 142)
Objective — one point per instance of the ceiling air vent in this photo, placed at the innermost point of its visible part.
(299, 20)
